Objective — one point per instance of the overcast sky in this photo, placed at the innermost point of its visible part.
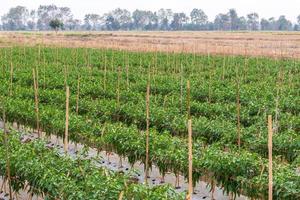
(265, 8)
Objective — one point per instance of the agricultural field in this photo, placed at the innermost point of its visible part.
(272, 44)
(106, 123)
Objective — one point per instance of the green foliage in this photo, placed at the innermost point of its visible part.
(56, 24)
(107, 124)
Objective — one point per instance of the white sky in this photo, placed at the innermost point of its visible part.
(265, 8)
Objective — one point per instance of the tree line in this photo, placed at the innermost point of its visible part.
(21, 18)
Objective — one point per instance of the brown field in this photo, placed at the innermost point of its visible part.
(271, 44)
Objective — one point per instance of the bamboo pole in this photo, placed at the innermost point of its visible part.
(77, 103)
(190, 159)
(36, 100)
(127, 74)
(147, 133)
(67, 121)
(278, 91)
(11, 78)
(105, 66)
(188, 100)
(181, 88)
(78, 93)
(7, 155)
(118, 91)
(238, 107)
(44, 68)
(270, 135)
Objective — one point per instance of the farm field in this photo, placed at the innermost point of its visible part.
(270, 44)
(227, 97)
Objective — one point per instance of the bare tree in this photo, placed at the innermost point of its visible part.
(16, 18)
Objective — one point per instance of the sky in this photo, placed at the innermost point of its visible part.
(265, 8)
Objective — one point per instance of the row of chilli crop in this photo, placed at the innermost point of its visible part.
(236, 171)
(170, 63)
(258, 85)
(48, 174)
(212, 122)
(286, 143)
(222, 95)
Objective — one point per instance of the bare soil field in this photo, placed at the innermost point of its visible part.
(271, 44)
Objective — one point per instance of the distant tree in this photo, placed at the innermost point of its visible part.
(222, 22)
(198, 18)
(46, 13)
(283, 24)
(31, 23)
(143, 19)
(15, 19)
(252, 21)
(234, 19)
(179, 19)
(92, 21)
(56, 24)
(164, 17)
(111, 23)
(242, 23)
(73, 24)
(122, 17)
(272, 24)
(264, 24)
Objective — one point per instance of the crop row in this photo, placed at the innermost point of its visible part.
(234, 170)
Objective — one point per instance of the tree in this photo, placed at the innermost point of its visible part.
(252, 21)
(272, 23)
(264, 24)
(92, 21)
(31, 23)
(234, 19)
(56, 24)
(122, 17)
(143, 20)
(46, 13)
(73, 24)
(242, 23)
(164, 17)
(111, 23)
(222, 22)
(15, 19)
(179, 19)
(298, 19)
(198, 17)
(283, 24)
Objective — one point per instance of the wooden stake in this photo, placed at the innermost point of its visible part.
(44, 69)
(67, 121)
(147, 133)
(7, 154)
(270, 135)
(11, 78)
(190, 158)
(105, 65)
(127, 74)
(118, 91)
(36, 100)
(188, 100)
(77, 96)
(181, 88)
(238, 107)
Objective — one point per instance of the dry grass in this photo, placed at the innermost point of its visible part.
(272, 44)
